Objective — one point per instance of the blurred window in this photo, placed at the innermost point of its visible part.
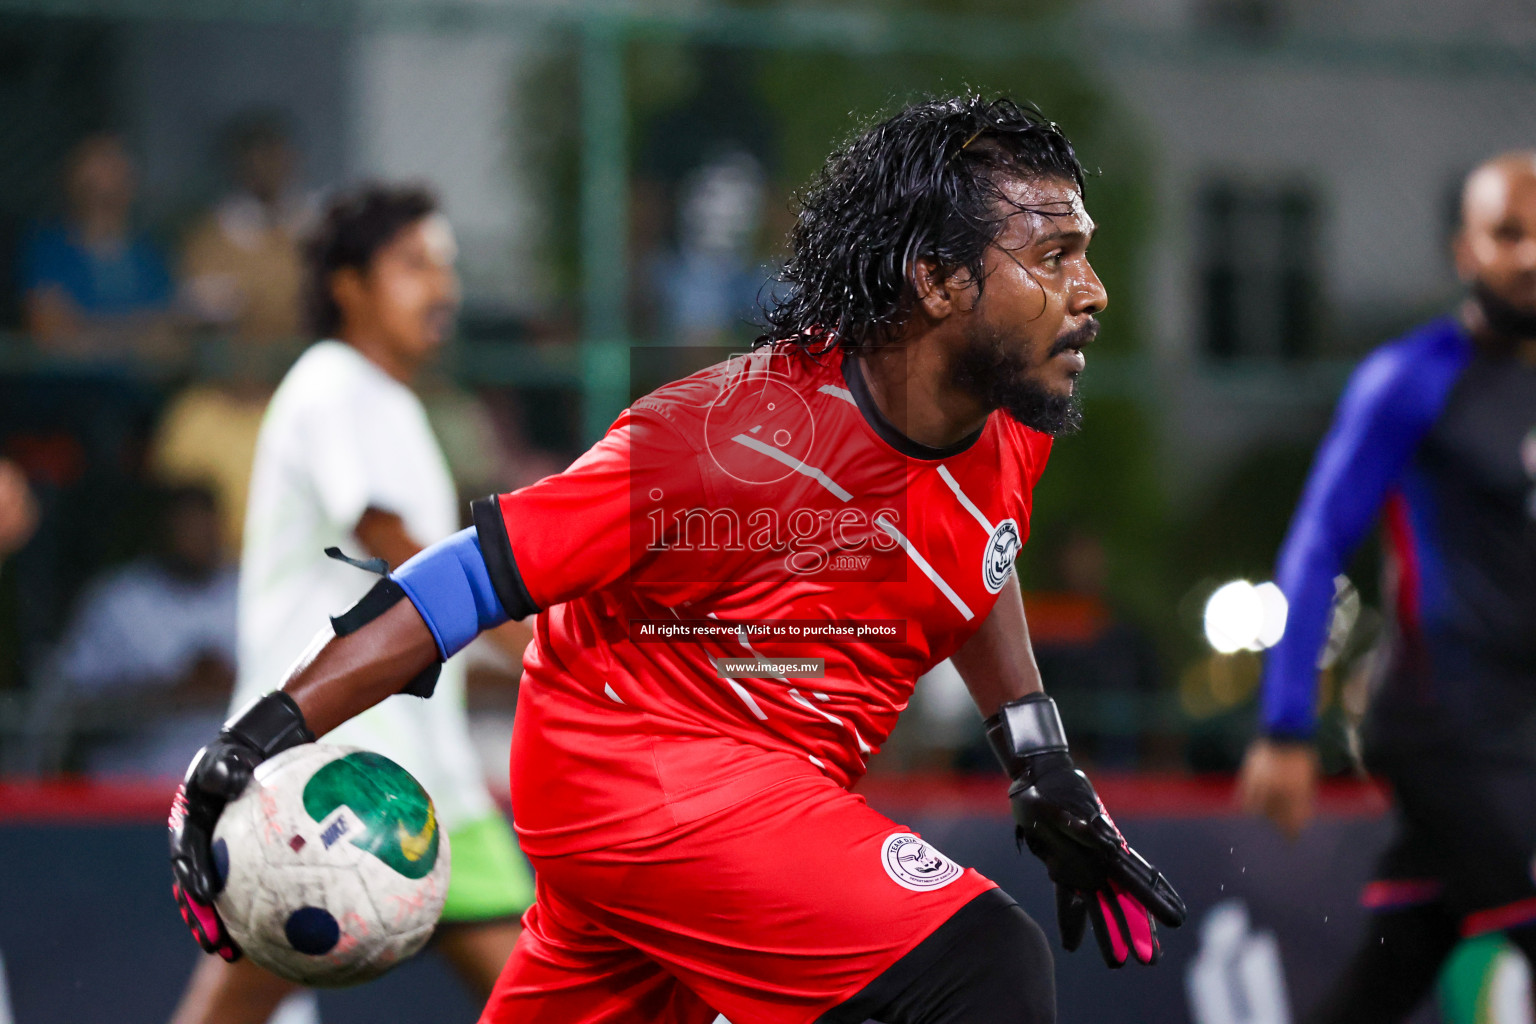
(1260, 280)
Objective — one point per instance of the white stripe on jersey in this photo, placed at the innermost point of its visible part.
(969, 505)
(799, 699)
(922, 563)
(746, 698)
(837, 392)
(741, 691)
(608, 689)
(794, 464)
(741, 638)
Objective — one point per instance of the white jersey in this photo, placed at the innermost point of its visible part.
(341, 436)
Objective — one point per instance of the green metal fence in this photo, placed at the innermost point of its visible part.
(604, 33)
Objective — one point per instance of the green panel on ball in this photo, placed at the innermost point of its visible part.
(399, 821)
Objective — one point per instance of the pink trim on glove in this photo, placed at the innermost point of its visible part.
(204, 924)
(1138, 923)
(1116, 940)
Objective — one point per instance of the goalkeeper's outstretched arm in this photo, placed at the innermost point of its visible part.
(393, 639)
(346, 675)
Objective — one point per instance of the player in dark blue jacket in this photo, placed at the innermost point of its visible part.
(1436, 436)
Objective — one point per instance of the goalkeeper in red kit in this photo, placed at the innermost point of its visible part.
(682, 796)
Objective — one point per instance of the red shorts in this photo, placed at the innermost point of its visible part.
(771, 912)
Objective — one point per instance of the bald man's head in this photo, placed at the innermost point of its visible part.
(1496, 245)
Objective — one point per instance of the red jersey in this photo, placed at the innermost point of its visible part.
(767, 494)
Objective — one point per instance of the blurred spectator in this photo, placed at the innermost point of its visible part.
(488, 450)
(709, 285)
(18, 509)
(1101, 669)
(91, 284)
(720, 122)
(242, 274)
(146, 665)
(207, 436)
(242, 268)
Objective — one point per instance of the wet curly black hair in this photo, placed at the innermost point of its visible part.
(924, 184)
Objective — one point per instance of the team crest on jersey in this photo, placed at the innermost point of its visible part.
(1002, 551)
(913, 864)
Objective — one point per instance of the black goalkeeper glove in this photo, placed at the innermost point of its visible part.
(218, 774)
(1098, 876)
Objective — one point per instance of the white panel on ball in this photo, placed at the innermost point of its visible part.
(335, 867)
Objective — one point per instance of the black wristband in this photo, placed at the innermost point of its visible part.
(1025, 728)
(381, 597)
(269, 724)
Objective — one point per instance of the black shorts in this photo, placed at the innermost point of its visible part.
(1466, 838)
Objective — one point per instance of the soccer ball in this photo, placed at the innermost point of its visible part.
(333, 864)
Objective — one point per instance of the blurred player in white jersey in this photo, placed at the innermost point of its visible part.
(347, 459)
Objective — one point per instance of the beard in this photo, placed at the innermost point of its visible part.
(989, 372)
(1504, 317)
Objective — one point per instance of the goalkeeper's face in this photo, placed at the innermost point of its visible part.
(411, 290)
(1021, 343)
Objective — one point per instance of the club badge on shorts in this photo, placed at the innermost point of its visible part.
(913, 864)
(1002, 549)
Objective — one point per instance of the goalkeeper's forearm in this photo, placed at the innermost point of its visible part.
(997, 663)
(349, 674)
(422, 614)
